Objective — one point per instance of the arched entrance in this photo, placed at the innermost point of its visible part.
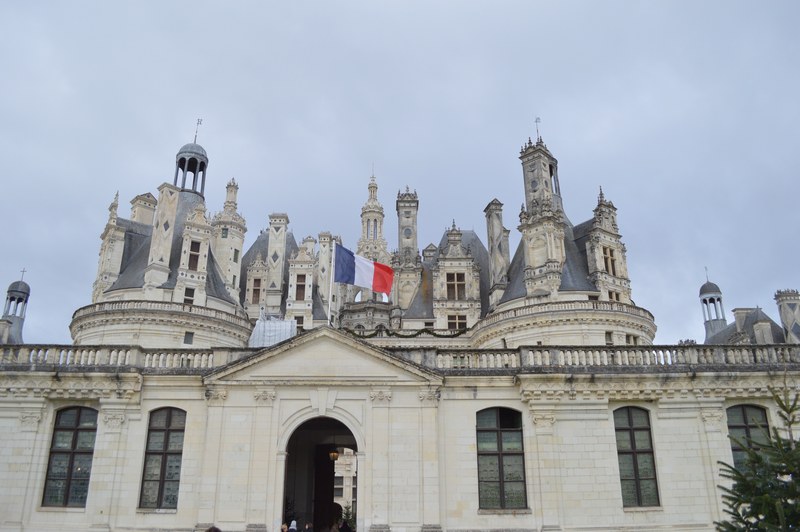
(321, 473)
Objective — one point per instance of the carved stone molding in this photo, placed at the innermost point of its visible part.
(256, 527)
(216, 395)
(29, 420)
(264, 397)
(67, 387)
(380, 396)
(430, 397)
(113, 421)
(380, 528)
(544, 421)
(712, 419)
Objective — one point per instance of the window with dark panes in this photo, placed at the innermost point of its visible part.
(748, 428)
(194, 255)
(637, 467)
(300, 289)
(501, 460)
(456, 286)
(456, 322)
(162, 459)
(70, 464)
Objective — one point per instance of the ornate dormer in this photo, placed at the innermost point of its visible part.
(406, 262)
(193, 267)
(229, 232)
(299, 298)
(256, 288)
(456, 284)
(111, 248)
(605, 252)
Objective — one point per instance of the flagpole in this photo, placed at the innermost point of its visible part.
(333, 277)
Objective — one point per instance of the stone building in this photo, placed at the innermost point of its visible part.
(490, 391)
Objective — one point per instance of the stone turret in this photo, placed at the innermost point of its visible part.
(275, 262)
(407, 263)
(110, 261)
(713, 311)
(542, 221)
(229, 230)
(14, 313)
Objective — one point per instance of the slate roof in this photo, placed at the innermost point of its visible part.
(730, 334)
(136, 250)
(421, 306)
(261, 245)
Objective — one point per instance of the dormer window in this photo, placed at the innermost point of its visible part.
(609, 261)
(456, 287)
(194, 255)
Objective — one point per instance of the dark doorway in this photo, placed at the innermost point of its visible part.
(319, 450)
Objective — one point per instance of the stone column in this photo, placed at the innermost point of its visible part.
(27, 461)
(548, 468)
(429, 460)
(379, 449)
(259, 459)
(110, 448)
(717, 447)
(207, 496)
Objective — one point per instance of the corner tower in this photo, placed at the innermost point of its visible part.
(713, 312)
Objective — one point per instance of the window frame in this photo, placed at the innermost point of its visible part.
(636, 453)
(167, 430)
(300, 287)
(456, 322)
(501, 415)
(456, 284)
(193, 263)
(74, 451)
(748, 441)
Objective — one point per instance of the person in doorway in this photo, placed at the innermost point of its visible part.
(284, 528)
(293, 526)
(344, 526)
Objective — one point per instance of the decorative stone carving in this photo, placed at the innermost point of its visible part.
(430, 396)
(215, 395)
(543, 419)
(380, 396)
(712, 419)
(264, 397)
(29, 420)
(66, 387)
(113, 420)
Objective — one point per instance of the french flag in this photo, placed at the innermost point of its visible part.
(350, 268)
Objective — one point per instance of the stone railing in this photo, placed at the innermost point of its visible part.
(562, 306)
(162, 306)
(29, 356)
(606, 356)
(76, 356)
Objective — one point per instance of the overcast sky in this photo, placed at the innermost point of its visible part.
(686, 113)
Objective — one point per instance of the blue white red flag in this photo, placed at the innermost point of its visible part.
(360, 271)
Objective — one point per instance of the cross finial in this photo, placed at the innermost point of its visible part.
(538, 121)
(199, 123)
(23, 274)
(706, 267)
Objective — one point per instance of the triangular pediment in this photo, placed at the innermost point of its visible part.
(324, 355)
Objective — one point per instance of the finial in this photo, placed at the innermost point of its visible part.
(601, 197)
(454, 224)
(199, 123)
(22, 277)
(538, 136)
(706, 267)
(373, 169)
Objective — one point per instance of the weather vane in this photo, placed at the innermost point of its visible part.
(538, 121)
(199, 123)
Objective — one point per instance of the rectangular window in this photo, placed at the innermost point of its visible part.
(162, 459)
(256, 291)
(748, 428)
(224, 232)
(300, 288)
(609, 338)
(429, 325)
(194, 255)
(299, 321)
(236, 255)
(609, 261)
(456, 287)
(338, 493)
(501, 462)
(631, 339)
(188, 338)
(188, 296)
(456, 321)
(637, 466)
(613, 296)
(71, 452)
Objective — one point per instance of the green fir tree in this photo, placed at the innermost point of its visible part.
(765, 494)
